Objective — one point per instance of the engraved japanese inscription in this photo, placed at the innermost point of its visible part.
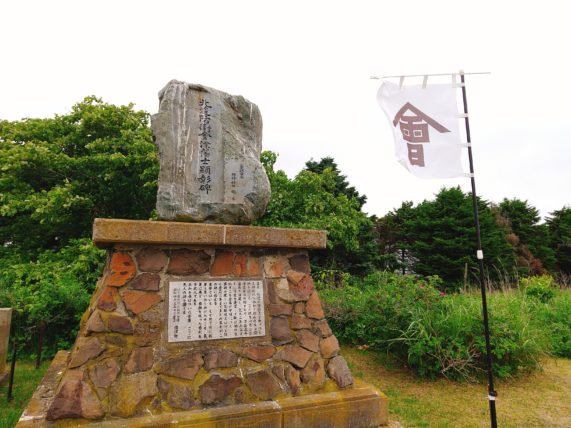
(210, 154)
(208, 310)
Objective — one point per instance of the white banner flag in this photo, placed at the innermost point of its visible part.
(425, 127)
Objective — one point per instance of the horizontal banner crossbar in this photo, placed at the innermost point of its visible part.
(429, 75)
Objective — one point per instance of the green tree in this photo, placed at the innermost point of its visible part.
(54, 288)
(58, 174)
(310, 200)
(443, 237)
(342, 186)
(395, 240)
(524, 222)
(559, 224)
(522, 216)
(367, 257)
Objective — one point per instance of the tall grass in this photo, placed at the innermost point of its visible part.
(439, 334)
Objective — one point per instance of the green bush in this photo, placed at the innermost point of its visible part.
(551, 311)
(555, 317)
(54, 289)
(439, 334)
(379, 309)
(541, 288)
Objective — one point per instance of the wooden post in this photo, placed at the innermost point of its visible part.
(12, 370)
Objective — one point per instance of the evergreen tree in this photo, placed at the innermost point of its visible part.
(342, 186)
(524, 222)
(440, 237)
(395, 240)
(559, 224)
(446, 237)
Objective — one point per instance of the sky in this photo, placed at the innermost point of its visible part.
(307, 65)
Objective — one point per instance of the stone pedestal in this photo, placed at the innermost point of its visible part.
(5, 321)
(204, 325)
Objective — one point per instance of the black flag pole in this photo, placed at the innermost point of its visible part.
(480, 257)
(479, 253)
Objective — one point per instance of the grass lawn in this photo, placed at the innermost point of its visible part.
(26, 379)
(542, 399)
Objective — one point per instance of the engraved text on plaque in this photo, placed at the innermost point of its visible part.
(208, 310)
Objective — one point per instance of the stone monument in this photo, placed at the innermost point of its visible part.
(209, 150)
(200, 324)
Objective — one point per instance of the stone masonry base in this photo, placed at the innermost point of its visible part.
(361, 406)
(127, 369)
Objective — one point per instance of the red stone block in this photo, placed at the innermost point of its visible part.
(140, 359)
(122, 269)
(106, 301)
(258, 353)
(299, 322)
(313, 307)
(294, 354)
(139, 301)
(240, 265)
(254, 268)
(329, 347)
(275, 266)
(308, 340)
(120, 324)
(217, 388)
(146, 281)
(263, 384)
(222, 265)
(279, 331)
(284, 309)
(188, 262)
(295, 277)
(300, 285)
(151, 260)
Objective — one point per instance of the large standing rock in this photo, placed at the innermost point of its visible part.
(209, 147)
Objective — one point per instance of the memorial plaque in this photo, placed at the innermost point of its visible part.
(209, 310)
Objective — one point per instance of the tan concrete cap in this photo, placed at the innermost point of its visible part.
(113, 231)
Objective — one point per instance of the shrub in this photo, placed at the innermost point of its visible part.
(555, 317)
(541, 288)
(54, 289)
(435, 333)
(379, 309)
